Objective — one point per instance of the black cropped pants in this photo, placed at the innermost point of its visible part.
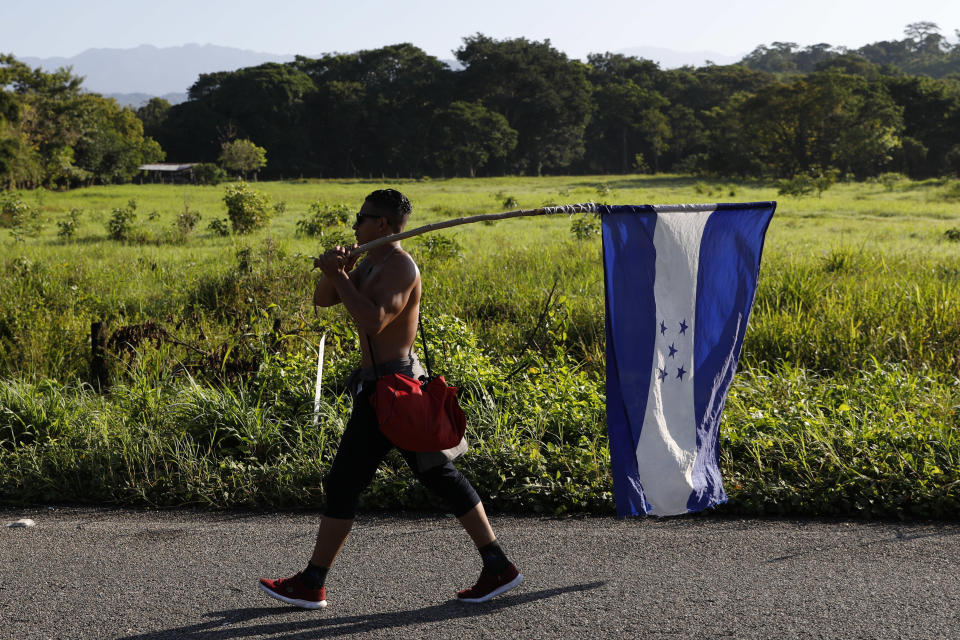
(363, 447)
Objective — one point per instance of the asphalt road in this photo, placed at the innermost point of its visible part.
(98, 573)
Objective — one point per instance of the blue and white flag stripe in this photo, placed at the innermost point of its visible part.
(679, 283)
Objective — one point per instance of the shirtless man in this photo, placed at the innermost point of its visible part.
(382, 294)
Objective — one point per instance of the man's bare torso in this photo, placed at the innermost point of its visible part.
(396, 339)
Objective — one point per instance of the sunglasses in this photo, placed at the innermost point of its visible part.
(361, 216)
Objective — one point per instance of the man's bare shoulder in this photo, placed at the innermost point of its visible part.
(396, 273)
(402, 265)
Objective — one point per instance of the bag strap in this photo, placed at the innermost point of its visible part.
(423, 340)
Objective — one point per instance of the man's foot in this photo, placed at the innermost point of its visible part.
(293, 591)
(491, 584)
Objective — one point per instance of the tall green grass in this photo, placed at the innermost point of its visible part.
(846, 402)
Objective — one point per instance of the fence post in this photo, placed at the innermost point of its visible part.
(98, 348)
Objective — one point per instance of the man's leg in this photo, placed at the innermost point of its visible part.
(331, 535)
(476, 523)
(362, 448)
(499, 574)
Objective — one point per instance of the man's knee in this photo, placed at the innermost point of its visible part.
(451, 486)
(341, 496)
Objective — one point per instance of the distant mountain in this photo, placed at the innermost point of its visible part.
(151, 70)
(670, 59)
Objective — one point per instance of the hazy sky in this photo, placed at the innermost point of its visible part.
(46, 28)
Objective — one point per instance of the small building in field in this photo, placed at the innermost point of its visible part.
(167, 172)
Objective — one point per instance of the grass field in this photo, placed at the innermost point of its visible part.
(847, 400)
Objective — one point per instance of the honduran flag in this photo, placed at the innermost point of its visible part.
(679, 284)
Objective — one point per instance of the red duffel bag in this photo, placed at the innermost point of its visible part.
(419, 416)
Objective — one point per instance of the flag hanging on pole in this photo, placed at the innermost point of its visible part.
(679, 284)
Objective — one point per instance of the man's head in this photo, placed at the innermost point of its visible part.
(389, 204)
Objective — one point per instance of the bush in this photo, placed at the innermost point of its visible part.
(952, 234)
(321, 217)
(585, 227)
(890, 180)
(187, 220)
(67, 229)
(219, 227)
(247, 209)
(702, 188)
(797, 186)
(208, 173)
(121, 221)
(337, 238)
(19, 217)
(437, 247)
(951, 190)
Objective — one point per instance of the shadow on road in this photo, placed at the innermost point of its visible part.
(290, 622)
(898, 537)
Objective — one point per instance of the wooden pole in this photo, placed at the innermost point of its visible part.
(98, 348)
(587, 207)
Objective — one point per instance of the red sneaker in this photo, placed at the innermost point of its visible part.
(293, 591)
(490, 584)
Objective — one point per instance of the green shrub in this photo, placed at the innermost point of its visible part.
(321, 217)
(891, 179)
(797, 186)
(805, 184)
(121, 221)
(22, 219)
(438, 247)
(247, 209)
(337, 238)
(952, 234)
(187, 220)
(585, 227)
(219, 227)
(951, 190)
(67, 229)
(208, 173)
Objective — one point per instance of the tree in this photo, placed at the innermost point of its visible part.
(851, 64)
(54, 134)
(49, 124)
(826, 121)
(373, 110)
(468, 135)
(779, 57)
(628, 121)
(544, 96)
(243, 156)
(112, 146)
(693, 94)
(247, 209)
(925, 37)
(153, 114)
(931, 118)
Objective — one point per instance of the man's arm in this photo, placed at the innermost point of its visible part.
(375, 309)
(325, 294)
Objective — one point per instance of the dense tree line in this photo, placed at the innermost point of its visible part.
(520, 106)
(510, 107)
(923, 51)
(53, 134)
